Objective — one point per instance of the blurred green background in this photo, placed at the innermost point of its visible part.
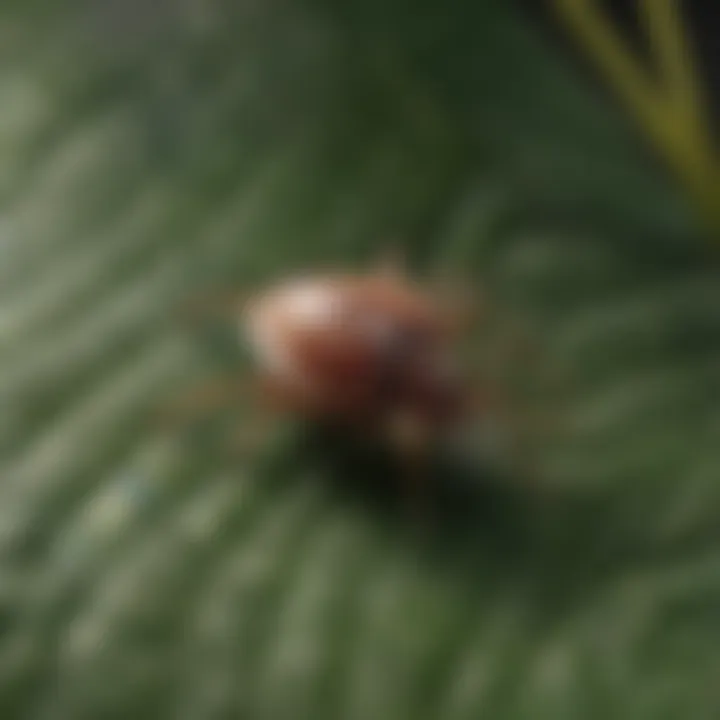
(153, 150)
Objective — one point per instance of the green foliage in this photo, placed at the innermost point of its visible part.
(152, 150)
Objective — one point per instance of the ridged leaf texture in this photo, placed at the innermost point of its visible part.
(153, 150)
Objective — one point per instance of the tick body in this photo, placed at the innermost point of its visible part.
(374, 352)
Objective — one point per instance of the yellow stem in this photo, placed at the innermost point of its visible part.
(669, 119)
(673, 56)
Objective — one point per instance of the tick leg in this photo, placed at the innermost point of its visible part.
(462, 301)
(392, 262)
(516, 360)
(411, 439)
(218, 304)
(511, 356)
(490, 401)
(503, 415)
(198, 402)
(249, 435)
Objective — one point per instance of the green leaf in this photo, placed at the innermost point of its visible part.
(154, 150)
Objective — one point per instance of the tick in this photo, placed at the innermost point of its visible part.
(375, 353)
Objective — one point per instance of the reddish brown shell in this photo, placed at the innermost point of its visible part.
(354, 348)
